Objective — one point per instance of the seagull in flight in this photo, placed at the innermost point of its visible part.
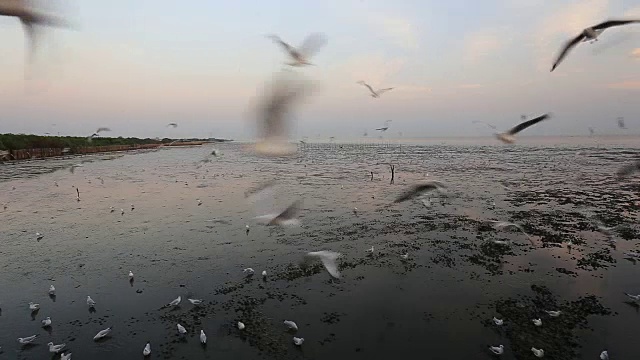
(300, 56)
(328, 259)
(385, 127)
(621, 123)
(419, 189)
(174, 125)
(30, 17)
(374, 93)
(509, 136)
(590, 34)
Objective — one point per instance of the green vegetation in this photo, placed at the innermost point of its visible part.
(22, 141)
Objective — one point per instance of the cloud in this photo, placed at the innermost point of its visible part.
(480, 44)
(627, 85)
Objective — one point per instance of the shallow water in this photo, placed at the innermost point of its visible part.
(435, 304)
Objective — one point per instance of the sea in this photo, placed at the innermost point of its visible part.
(439, 272)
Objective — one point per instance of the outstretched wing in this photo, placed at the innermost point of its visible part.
(568, 46)
(611, 23)
(288, 48)
(288, 214)
(516, 129)
(368, 86)
(312, 44)
(381, 91)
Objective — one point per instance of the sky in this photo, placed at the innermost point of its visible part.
(135, 66)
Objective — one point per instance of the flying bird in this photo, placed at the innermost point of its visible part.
(300, 56)
(419, 189)
(621, 123)
(174, 125)
(500, 225)
(273, 119)
(590, 34)
(176, 301)
(374, 93)
(385, 127)
(328, 259)
(628, 169)
(509, 136)
(30, 17)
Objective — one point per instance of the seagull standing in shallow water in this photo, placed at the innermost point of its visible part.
(498, 350)
(590, 34)
(90, 302)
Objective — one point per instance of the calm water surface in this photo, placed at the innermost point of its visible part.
(437, 304)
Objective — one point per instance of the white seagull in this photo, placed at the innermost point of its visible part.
(52, 290)
(374, 93)
(195, 301)
(509, 135)
(498, 350)
(203, 337)
(604, 355)
(298, 341)
(300, 56)
(90, 302)
(500, 225)
(537, 322)
(240, 325)
(553, 313)
(147, 350)
(27, 340)
(65, 356)
(264, 273)
(176, 301)
(328, 259)
(55, 348)
(39, 236)
(181, 329)
(102, 334)
(291, 325)
(589, 34)
(248, 272)
(33, 306)
(497, 321)
(537, 352)
(130, 275)
(288, 217)
(46, 322)
(633, 297)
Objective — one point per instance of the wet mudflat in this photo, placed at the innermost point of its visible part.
(437, 303)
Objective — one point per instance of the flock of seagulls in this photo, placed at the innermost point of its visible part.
(273, 113)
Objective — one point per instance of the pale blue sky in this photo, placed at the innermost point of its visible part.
(136, 65)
